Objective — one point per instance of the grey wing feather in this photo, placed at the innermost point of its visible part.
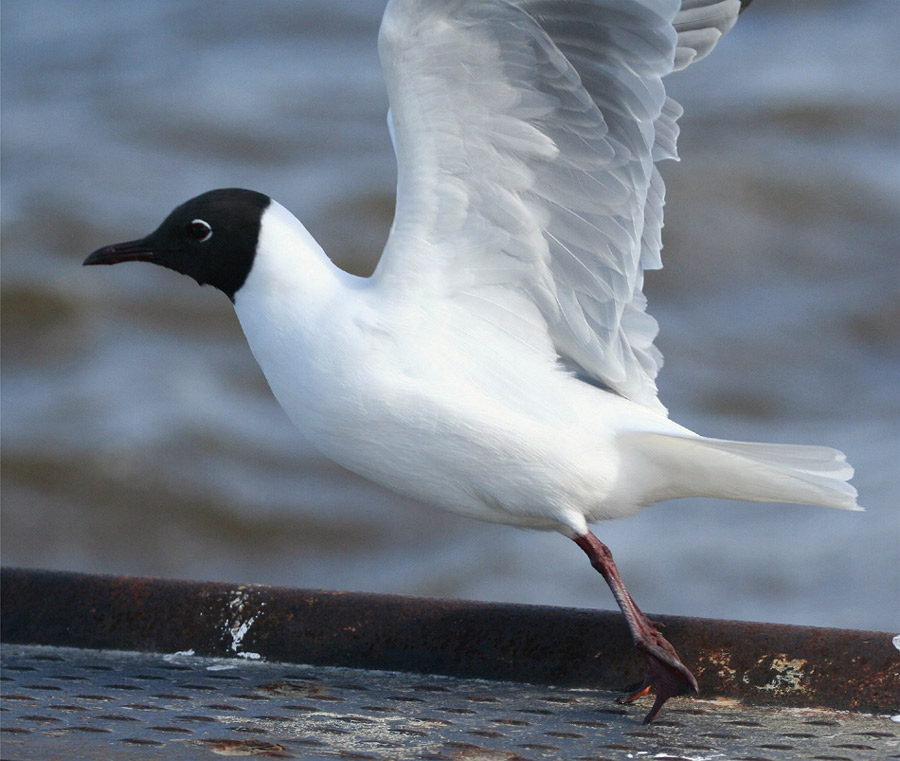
(526, 133)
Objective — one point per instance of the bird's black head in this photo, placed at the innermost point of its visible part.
(212, 238)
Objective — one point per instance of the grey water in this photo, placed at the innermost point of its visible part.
(139, 437)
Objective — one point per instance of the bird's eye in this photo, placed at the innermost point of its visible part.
(199, 230)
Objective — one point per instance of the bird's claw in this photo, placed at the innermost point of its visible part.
(665, 673)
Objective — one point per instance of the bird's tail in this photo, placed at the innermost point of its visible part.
(806, 475)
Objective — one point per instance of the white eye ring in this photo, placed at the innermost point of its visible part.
(199, 230)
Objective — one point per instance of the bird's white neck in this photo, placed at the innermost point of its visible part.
(295, 305)
(290, 269)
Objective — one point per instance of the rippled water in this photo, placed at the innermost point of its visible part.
(139, 436)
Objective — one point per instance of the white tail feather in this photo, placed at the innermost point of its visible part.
(797, 474)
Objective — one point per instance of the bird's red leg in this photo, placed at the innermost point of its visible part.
(665, 671)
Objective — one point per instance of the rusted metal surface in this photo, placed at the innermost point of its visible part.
(755, 663)
(63, 703)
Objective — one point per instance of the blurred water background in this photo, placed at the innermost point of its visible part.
(139, 436)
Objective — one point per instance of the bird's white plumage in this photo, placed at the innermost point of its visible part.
(470, 370)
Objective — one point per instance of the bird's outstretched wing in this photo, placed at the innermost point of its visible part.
(526, 133)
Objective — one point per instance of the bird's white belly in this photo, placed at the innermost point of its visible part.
(461, 451)
(446, 409)
(443, 439)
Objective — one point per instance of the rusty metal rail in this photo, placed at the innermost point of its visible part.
(754, 678)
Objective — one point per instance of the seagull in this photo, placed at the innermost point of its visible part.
(500, 363)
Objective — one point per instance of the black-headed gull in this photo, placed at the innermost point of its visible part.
(500, 363)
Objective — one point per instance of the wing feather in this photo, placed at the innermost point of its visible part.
(526, 133)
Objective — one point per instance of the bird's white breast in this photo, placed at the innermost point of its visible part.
(434, 403)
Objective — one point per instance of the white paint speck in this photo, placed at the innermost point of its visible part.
(239, 624)
(221, 666)
(180, 654)
(238, 631)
